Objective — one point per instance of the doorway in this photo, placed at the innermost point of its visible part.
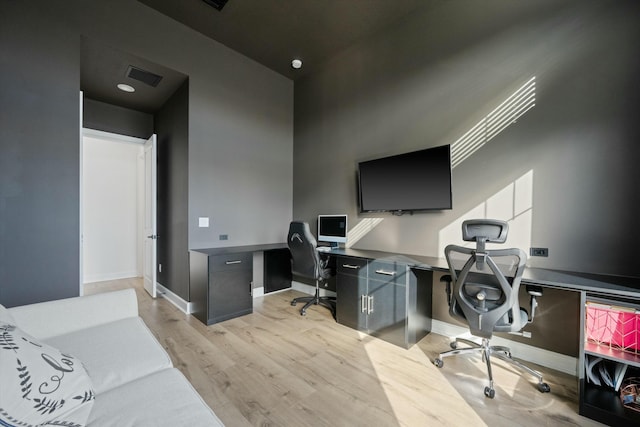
(112, 206)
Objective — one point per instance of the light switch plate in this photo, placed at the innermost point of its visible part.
(203, 221)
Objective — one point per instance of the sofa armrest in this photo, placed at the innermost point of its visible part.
(52, 318)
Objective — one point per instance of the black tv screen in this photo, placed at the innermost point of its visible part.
(416, 181)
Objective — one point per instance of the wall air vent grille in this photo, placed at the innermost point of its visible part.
(216, 4)
(143, 76)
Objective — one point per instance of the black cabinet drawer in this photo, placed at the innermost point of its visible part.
(234, 261)
(386, 271)
(229, 294)
(351, 266)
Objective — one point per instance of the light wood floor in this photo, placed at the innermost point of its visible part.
(276, 368)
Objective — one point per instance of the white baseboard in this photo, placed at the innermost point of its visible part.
(92, 278)
(550, 359)
(311, 290)
(302, 287)
(184, 306)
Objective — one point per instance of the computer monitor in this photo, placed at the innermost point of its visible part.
(332, 229)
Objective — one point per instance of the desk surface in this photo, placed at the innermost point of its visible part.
(567, 280)
(238, 249)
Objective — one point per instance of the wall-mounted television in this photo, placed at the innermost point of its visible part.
(415, 181)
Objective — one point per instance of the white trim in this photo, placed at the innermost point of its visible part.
(185, 306)
(549, 359)
(259, 291)
(93, 133)
(111, 276)
(311, 290)
(80, 187)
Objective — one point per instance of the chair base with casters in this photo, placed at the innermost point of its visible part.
(328, 302)
(487, 350)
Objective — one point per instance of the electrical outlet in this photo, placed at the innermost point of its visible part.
(539, 252)
(224, 237)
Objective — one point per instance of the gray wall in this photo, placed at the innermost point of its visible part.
(172, 128)
(238, 109)
(39, 156)
(428, 80)
(115, 119)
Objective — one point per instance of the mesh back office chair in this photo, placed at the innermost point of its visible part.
(485, 294)
(306, 262)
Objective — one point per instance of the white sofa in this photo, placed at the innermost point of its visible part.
(133, 379)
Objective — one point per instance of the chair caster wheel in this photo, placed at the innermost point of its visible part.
(293, 303)
(453, 345)
(439, 363)
(303, 312)
(544, 388)
(489, 392)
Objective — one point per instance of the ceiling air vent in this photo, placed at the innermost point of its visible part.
(216, 4)
(143, 76)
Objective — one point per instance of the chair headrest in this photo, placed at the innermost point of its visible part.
(485, 230)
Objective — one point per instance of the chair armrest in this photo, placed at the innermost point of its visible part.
(534, 291)
(447, 279)
(52, 318)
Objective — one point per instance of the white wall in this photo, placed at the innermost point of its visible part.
(110, 209)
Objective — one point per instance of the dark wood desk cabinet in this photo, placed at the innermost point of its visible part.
(220, 279)
(220, 285)
(383, 298)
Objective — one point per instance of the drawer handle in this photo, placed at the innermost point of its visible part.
(351, 266)
(233, 262)
(386, 273)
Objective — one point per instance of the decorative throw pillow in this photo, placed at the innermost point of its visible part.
(40, 384)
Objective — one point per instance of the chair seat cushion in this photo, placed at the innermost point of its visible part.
(162, 399)
(116, 352)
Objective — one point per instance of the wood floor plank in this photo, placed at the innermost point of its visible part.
(275, 367)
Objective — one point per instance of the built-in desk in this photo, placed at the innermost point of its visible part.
(594, 401)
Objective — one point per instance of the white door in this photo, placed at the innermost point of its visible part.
(150, 230)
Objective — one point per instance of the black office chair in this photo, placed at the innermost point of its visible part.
(485, 294)
(306, 262)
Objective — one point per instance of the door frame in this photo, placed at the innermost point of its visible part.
(150, 241)
(109, 136)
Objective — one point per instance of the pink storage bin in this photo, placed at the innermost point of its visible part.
(613, 326)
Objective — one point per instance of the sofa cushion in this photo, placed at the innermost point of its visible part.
(40, 384)
(5, 316)
(161, 399)
(116, 352)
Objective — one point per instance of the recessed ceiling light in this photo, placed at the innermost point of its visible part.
(296, 63)
(126, 88)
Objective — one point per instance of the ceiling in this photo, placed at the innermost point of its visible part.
(271, 32)
(102, 68)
